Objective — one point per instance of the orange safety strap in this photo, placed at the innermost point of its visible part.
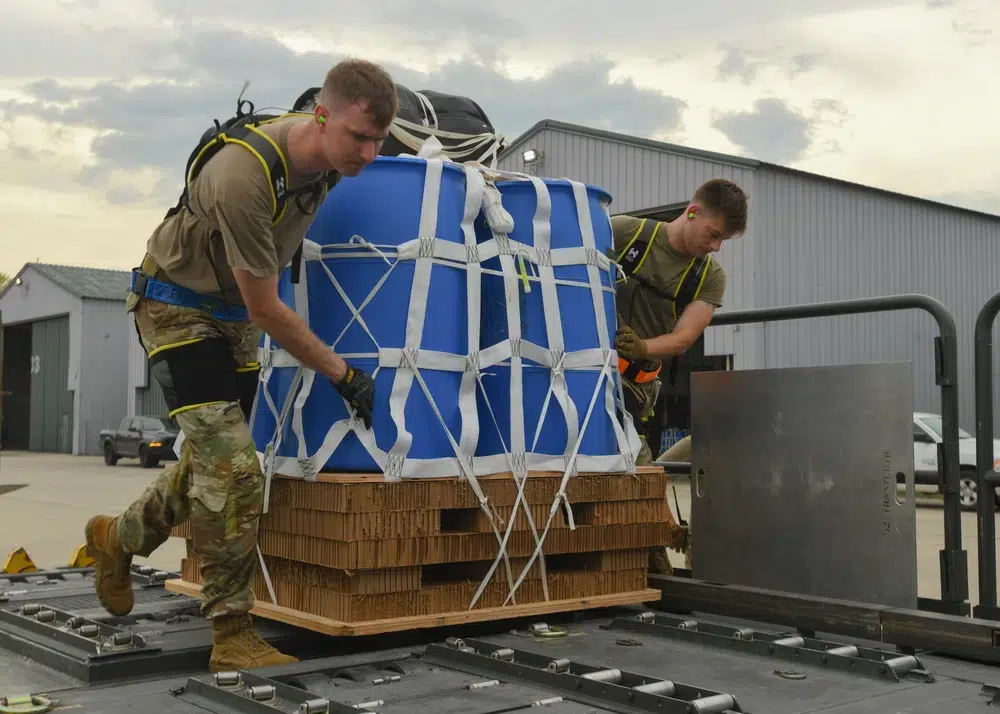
(634, 374)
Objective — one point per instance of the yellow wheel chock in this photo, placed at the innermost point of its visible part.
(81, 558)
(26, 704)
(19, 562)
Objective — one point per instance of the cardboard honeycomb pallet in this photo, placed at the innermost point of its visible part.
(355, 554)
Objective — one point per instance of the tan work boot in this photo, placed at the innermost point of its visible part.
(237, 646)
(111, 571)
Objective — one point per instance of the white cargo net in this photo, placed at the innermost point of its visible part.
(424, 251)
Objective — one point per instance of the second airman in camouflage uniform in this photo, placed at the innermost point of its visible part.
(652, 330)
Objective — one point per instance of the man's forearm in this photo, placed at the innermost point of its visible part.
(694, 320)
(664, 346)
(287, 328)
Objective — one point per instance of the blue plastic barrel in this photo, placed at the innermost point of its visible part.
(382, 205)
(579, 327)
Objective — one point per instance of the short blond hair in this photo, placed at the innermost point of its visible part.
(359, 81)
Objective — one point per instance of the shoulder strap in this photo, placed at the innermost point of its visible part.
(263, 147)
(634, 254)
(331, 180)
(244, 131)
(690, 284)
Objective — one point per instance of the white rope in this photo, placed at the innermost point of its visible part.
(407, 133)
(430, 115)
(425, 252)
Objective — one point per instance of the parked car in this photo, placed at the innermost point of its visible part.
(926, 437)
(147, 438)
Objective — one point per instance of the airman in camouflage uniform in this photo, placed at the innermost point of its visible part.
(204, 357)
(652, 330)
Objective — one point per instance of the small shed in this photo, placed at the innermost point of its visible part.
(64, 357)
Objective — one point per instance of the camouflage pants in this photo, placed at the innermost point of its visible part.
(217, 482)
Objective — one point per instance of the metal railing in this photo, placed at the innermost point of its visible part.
(987, 478)
(953, 560)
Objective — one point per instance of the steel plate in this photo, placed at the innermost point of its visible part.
(794, 481)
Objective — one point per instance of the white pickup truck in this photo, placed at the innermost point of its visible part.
(926, 437)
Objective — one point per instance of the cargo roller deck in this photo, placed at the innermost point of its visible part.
(60, 651)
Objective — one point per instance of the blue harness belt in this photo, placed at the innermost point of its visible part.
(145, 286)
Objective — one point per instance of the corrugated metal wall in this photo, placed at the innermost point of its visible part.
(137, 361)
(103, 372)
(149, 399)
(51, 427)
(640, 178)
(824, 240)
(145, 396)
(137, 367)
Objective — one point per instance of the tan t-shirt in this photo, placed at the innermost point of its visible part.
(231, 211)
(646, 312)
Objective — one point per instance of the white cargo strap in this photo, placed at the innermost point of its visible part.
(555, 357)
(424, 252)
(555, 337)
(430, 115)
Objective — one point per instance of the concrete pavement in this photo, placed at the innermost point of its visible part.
(60, 494)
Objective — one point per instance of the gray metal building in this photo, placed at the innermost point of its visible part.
(64, 354)
(810, 239)
(143, 392)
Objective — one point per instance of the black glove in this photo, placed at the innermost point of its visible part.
(359, 391)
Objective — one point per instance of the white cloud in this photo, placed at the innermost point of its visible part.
(892, 93)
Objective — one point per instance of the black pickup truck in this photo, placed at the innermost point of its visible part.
(149, 439)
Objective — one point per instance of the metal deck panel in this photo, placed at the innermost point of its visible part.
(398, 678)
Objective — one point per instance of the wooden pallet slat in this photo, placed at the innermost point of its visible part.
(334, 627)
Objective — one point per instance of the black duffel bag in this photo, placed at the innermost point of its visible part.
(459, 123)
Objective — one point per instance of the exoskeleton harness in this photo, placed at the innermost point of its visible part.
(631, 259)
(202, 371)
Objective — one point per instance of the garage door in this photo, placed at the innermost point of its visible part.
(51, 401)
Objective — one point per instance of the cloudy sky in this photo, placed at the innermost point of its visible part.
(101, 100)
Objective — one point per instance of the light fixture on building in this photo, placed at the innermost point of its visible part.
(531, 156)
